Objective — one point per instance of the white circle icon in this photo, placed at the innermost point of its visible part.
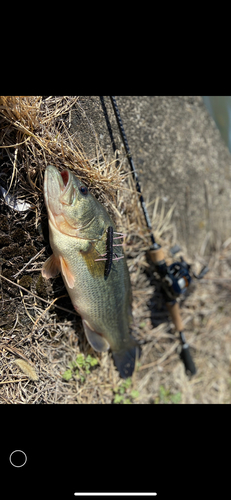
(18, 458)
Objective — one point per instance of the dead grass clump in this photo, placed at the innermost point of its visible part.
(45, 357)
(38, 128)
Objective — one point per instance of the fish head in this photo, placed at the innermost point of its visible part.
(72, 209)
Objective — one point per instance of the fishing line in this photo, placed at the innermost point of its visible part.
(109, 128)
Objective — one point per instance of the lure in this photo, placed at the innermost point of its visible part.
(109, 255)
(109, 246)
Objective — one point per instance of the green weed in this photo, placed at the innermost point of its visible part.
(123, 394)
(165, 397)
(80, 367)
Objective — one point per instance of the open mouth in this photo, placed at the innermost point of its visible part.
(65, 177)
(67, 194)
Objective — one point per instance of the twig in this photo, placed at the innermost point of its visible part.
(37, 297)
(14, 351)
(44, 312)
(16, 380)
(210, 280)
(29, 262)
(15, 145)
(159, 361)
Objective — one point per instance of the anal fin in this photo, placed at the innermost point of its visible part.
(98, 342)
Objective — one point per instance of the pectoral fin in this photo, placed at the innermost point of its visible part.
(67, 273)
(51, 267)
(98, 342)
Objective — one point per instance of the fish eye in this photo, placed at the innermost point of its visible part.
(83, 190)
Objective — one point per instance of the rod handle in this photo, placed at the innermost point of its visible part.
(174, 312)
(187, 359)
(156, 255)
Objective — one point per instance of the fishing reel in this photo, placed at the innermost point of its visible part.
(175, 278)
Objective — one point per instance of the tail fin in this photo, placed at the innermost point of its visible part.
(125, 359)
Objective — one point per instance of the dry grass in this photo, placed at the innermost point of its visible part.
(37, 322)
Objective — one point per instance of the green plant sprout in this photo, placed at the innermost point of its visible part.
(122, 394)
(165, 397)
(80, 367)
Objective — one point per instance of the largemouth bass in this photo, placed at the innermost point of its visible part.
(78, 226)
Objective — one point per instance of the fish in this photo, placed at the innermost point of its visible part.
(78, 236)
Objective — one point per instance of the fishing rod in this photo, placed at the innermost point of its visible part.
(134, 173)
(175, 278)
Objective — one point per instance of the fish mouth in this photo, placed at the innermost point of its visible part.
(57, 189)
(67, 188)
(66, 179)
(65, 185)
